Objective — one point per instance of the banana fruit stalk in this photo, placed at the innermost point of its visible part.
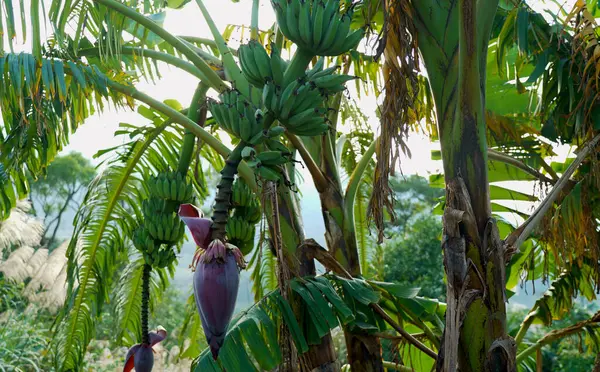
(317, 26)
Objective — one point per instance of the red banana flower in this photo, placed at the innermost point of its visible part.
(216, 283)
(141, 356)
(216, 277)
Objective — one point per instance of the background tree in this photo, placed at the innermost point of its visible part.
(411, 252)
(414, 258)
(59, 190)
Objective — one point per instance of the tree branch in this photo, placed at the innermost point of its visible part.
(211, 77)
(318, 177)
(525, 325)
(315, 251)
(177, 117)
(558, 334)
(355, 178)
(396, 366)
(254, 20)
(517, 237)
(507, 159)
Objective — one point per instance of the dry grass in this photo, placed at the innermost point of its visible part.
(20, 228)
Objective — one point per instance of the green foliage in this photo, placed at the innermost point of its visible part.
(576, 352)
(415, 257)
(329, 301)
(42, 102)
(24, 339)
(11, 296)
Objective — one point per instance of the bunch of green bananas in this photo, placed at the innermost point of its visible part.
(258, 67)
(170, 186)
(161, 228)
(300, 106)
(317, 26)
(155, 254)
(238, 117)
(246, 213)
(239, 232)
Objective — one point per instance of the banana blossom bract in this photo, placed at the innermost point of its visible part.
(141, 356)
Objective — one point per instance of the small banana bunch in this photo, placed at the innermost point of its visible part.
(161, 228)
(258, 67)
(170, 186)
(238, 117)
(246, 213)
(317, 26)
(300, 106)
(267, 163)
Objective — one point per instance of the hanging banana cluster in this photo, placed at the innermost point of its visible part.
(317, 26)
(258, 67)
(238, 117)
(241, 225)
(161, 228)
(300, 106)
(267, 163)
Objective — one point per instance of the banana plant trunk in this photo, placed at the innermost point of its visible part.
(453, 37)
(322, 357)
(363, 349)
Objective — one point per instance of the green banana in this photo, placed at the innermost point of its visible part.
(173, 190)
(268, 174)
(249, 67)
(325, 72)
(181, 192)
(351, 42)
(312, 99)
(277, 67)
(332, 26)
(262, 60)
(275, 101)
(291, 21)
(277, 146)
(280, 10)
(312, 128)
(317, 29)
(340, 35)
(301, 117)
(331, 81)
(267, 95)
(288, 98)
(318, 67)
(304, 24)
(275, 131)
(245, 129)
(271, 158)
(166, 189)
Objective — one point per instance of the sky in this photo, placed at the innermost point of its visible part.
(97, 132)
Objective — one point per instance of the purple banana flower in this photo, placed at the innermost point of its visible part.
(141, 356)
(199, 227)
(216, 282)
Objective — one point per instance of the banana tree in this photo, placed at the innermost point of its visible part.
(484, 141)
